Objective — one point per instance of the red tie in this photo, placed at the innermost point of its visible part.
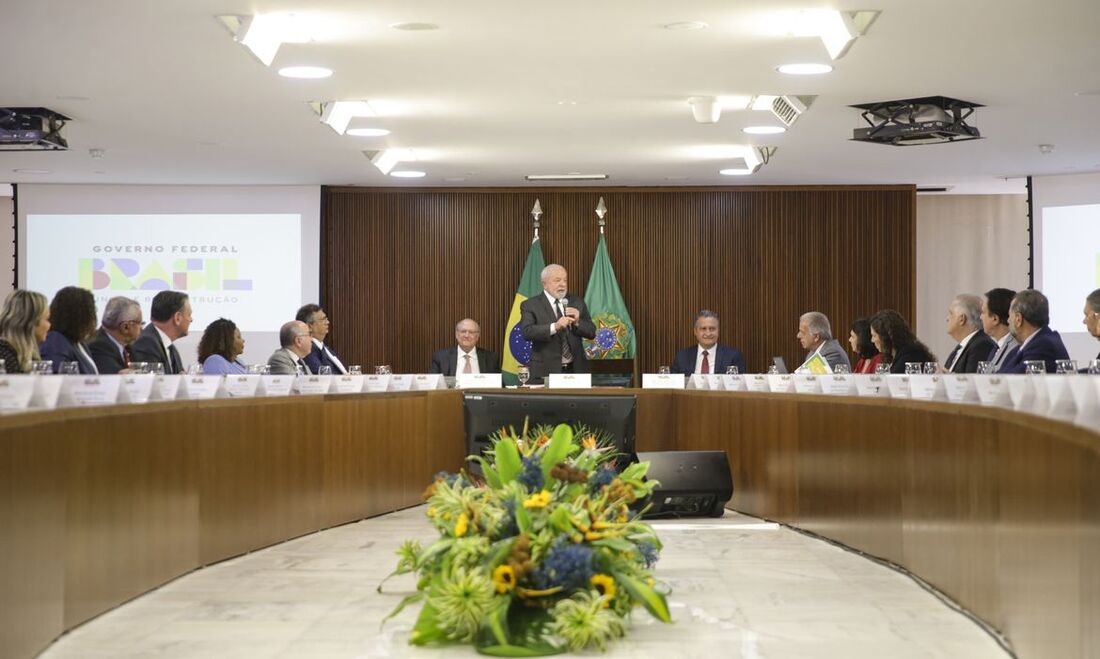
(705, 369)
(126, 356)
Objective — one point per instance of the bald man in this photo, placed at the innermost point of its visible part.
(466, 357)
(555, 323)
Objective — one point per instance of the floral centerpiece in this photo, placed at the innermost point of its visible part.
(548, 554)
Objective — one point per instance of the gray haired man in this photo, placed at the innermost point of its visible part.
(294, 337)
(964, 324)
(121, 326)
(816, 335)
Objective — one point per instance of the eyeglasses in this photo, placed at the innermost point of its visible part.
(129, 322)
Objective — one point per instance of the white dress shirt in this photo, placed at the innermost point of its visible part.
(80, 347)
(340, 370)
(554, 305)
(460, 365)
(711, 355)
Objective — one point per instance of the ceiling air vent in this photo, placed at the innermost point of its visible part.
(787, 109)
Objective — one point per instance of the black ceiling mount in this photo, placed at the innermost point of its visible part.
(32, 129)
(915, 121)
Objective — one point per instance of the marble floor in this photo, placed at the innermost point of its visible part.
(741, 588)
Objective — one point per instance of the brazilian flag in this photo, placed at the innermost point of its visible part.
(614, 329)
(517, 350)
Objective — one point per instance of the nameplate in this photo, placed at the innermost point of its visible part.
(993, 390)
(16, 392)
(662, 381)
(698, 381)
(401, 383)
(242, 386)
(1086, 397)
(83, 390)
(780, 383)
(960, 388)
(166, 387)
(838, 385)
(1061, 404)
(136, 389)
(926, 387)
(429, 381)
(347, 384)
(1021, 391)
(569, 381)
(201, 387)
(479, 381)
(732, 382)
(312, 385)
(871, 386)
(376, 384)
(275, 385)
(807, 384)
(898, 385)
(757, 382)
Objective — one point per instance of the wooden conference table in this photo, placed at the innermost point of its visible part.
(999, 510)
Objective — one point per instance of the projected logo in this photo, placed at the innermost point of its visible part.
(125, 274)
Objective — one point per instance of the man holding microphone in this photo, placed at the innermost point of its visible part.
(555, 324)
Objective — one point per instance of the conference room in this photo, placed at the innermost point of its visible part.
(701, 329)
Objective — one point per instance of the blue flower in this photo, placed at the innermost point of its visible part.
(649, 553)
(509, 527)
(531, 476)
(602, 477)
(449, 478)
(567, 565)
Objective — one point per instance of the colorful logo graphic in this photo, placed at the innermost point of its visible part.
(152, 275)
(610, 332)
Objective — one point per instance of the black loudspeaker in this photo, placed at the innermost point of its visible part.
(693, 483)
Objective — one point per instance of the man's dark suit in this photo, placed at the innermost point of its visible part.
(978, 349)
(536, 316)
(148, 348)
(1046, 344)
(318, 358)
(445, 361)
(58, 348)
(105, 354)
(723, 358)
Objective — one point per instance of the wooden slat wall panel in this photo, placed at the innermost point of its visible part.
(402, 266)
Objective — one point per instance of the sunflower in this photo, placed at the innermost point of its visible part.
(605, 586)
(462, 525)
(505, 578)
(538, 500)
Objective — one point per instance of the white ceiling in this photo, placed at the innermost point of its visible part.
(169, 96)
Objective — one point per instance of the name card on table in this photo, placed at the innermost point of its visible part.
(807, 384)
(662, 381)
(698, 381)
(429, 381)
(401, 383)
(47, 389)
(347, 384)
(780, 383)
(1086, 396)
(757, 382)
(732, 382)
(16, 392)
(242, 386)
(927, 387)
(137, 389)
(275, 385)
(479, 381)
(166, 387)
(312, 385)
(993, 390)
(569, 381)
(201, 387)
(716, 381)
(871, 386)
(1022, 392)
(1061, 404)
(960, 388)
(838, 385)
(898, 385)
(376, 384)
(81, 390)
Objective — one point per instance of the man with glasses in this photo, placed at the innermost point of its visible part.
(467, 358)
(121, 326)
(320, 354)
(1092, 314)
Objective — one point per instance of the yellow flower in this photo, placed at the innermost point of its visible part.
(462, 525)
(505, 578)
(432, 511)
(589, 442)
(605, 586)
(538, 500)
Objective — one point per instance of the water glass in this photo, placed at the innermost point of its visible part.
(68, 368)
(842, 369)
(324, 370)
(42, 366)
(731, 370)
(1065, 366)
(524, 374)
(931, 368)
(383, 369)
(355, 369)
(1094, 367)
(256, 369)
(663, 370)
(914, 368)
(882, 369)
(3, 370)
(1035, 366)
(299, 368)
(194, 369)
(156, 368)
(773, 370)
(985, 368)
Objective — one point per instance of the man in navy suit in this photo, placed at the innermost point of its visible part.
(171, 320)
(1028, 318)
(121, 326)
(320, 354)
(555, 323)
(708, 356)
(972, 345)
(466, 357)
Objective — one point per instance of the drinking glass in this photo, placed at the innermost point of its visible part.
(731, 370)
(882, 369)
(842, 369)
(383, 369)
(930, 368)
(256, 369)
(1094, 367)
(138, 368)
(194, 369)
(3, 371)
(324, 370)
(914, 368)
(1035, 367)
(42, 366)
(355, 369)
(157, 368)
(663, 370)
(773, 370)
(985, 368)
(299, 369)
(1065, 366)
(68, 368)
(524, 374)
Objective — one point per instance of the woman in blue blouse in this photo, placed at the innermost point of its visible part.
(219, 348)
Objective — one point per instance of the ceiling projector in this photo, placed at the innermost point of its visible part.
(32, 129)
(913, 121)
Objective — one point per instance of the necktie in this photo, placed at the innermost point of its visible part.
(998, 355)
(705, 368)
(951, 358)
(566, 353)
(468, 368)
(174, 357)
(126, 356)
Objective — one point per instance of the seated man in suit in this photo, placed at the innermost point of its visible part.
(296, 344)
(555, 324)
(1029, 318)
(120, 327)
(708, 356)
(995, 324)
(171, 318)
(816, 335)
(964, 324)
(467, 357)
(319, 354)
(1092, 314)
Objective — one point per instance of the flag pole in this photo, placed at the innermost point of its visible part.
(536, 212)
(601, 210)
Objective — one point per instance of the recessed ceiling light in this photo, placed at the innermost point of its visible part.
(735, 172)
(763, 130)
(367, 132)
(338, 114)
(385, 160)
(686, 25)
(804, 69)
(305, 72)
(31, 171)
(408, 173)
(414, 27)
(73, 98)
(566, 102)
(455, 179)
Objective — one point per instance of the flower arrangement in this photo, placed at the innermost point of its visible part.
(546, 555)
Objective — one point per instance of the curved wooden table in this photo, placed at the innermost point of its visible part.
(999, 510)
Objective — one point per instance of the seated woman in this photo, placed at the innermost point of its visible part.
(24, 322)
(219, 348)
(73, 322)
(896, 341)
(859, 338)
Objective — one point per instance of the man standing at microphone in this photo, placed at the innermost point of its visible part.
(555, 323)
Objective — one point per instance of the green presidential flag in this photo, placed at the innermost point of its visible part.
(614, 330)
(517, 350)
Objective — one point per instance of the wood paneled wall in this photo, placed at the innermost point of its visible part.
(400, 267)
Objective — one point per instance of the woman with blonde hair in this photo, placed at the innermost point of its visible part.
(24, 322)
